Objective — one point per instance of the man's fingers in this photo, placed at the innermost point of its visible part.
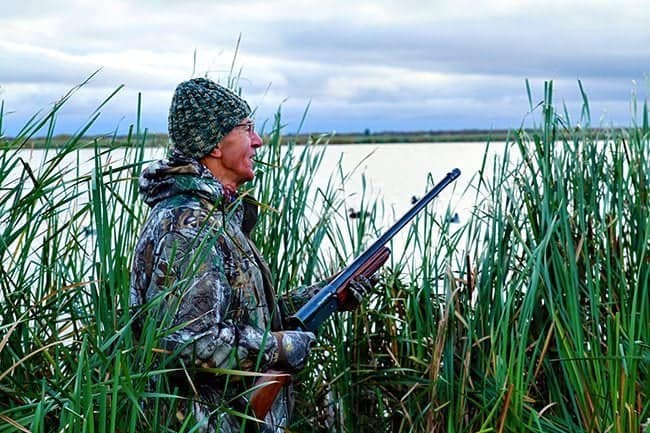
(360, 287)
(357, 290)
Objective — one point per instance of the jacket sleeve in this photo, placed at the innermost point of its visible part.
(197, 302)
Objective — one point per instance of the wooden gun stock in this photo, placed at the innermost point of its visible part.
(266, 390)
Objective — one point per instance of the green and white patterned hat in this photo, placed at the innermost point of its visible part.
(201, 114)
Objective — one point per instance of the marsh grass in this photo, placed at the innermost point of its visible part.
(530, 316)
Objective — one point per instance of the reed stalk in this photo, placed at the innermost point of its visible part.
(530, 316)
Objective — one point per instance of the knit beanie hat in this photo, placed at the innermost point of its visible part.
(201, 114)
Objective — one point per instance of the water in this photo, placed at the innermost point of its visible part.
(395, 174)
(398, 173)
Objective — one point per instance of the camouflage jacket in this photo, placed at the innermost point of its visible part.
(204, 279)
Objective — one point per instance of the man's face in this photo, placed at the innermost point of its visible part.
(237, 151)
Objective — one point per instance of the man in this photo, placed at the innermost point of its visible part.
(195, 262)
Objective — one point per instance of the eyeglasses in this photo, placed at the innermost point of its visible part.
(250, 126)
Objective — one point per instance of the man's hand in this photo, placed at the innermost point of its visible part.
(293, 349)
(355, 291)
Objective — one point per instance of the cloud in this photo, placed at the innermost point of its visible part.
(412, 65)
(500, 46)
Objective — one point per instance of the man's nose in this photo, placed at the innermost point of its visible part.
(256, 140)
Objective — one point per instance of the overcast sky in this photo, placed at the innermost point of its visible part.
(398, 65)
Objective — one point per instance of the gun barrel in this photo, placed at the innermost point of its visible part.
(325, 302)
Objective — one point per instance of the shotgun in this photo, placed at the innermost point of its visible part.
(328, 300)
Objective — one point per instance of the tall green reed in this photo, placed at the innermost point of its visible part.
(537, 323)
(68, 228)
(530, 316)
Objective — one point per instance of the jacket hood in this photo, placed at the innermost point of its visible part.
(178, 176)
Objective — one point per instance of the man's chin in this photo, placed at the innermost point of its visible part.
(249, 176)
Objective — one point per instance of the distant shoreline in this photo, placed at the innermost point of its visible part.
(384, 137)
(468, 135)
(450, 136)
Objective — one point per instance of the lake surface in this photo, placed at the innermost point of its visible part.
(398, 172)
(394, 173)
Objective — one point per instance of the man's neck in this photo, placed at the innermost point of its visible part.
(214, 166)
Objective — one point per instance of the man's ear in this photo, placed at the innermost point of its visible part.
(215, 152)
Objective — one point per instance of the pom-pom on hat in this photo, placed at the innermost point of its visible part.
(202, 112)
